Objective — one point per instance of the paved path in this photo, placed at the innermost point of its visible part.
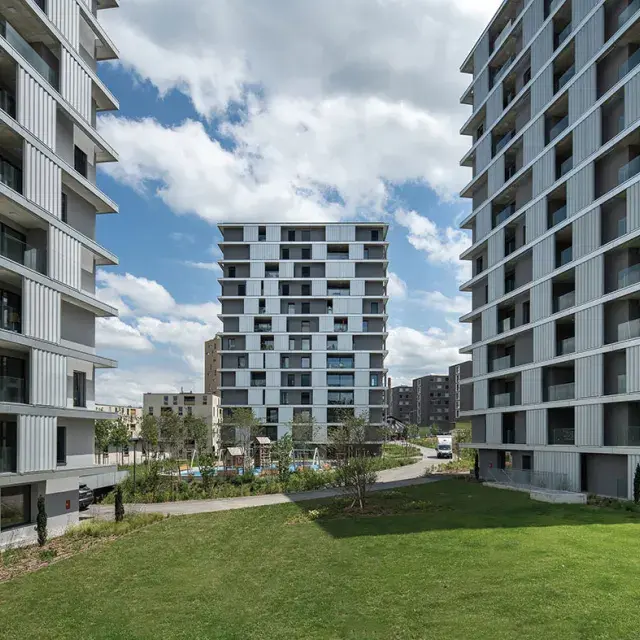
(389, 479)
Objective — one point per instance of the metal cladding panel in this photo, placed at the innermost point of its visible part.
(319, 378)
(361, 397)
(590, 279)
(271, 397)
(253, 287)
(318, 342)
(281, 343)
(326, 324)
(589, 328)
(495, 178)
(633, 369)
(64, 258)
(581, 190)
(48, 382)
(270, 287)
(273, 233)
(251, 233)
(588, 376)
(495, 247)
(75, 85)
(541, 301)
(589, 40)
(633, 206)
(271, 360)
(633, 460)
(341, 233)
(319, 360)
(586, 233)
(544, 342)
(533, 140)
(542, 90)
(480, 360)
(357, 288)
(560, 462)
(544, 172)
(341, 306)
(483, 154)
(489, 323)
(494, 428)
(544, 256)
(580, 9)
(495, 104)
(583, 94)
(345, 342)
(480, 88)
(495, 283)
(319, 288)
(480, 394)
(356, 251)
(481, 53)
(36, 108)
(587, 137)
(243, 379)
(287, 269)
(589, 425)
(285, 414)
(42, 180)
(340, 269)
(273, 378)
(320, 415)
(36, 443)
(537, 426)
(542, 49)
(256, 361)
(279, 324)
(40, 311)
(361, 379)
(256, 270)
(483, 221)
(532, 386)
(66, 16)
(319, 251)
(264, 251)
(354, 324)
(536, 220)
(361, 360)
(632, 100)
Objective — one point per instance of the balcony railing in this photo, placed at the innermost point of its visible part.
(8, 102)
(271, 274)
(566, 256)
(502, 399)
(629, 330)
(562, 435)
(629, 276)
(340, 328)
(28, 53)
(338, 292)
(624, 17)
(8, 460)
(263, 328)
(508, 436)
(625, 437)
(565, 77)
(558, 128)
(10, 175)
(629, 170)
(622, 383)
(504, 140)
(258, 383)
(563, 35)
(565, 301)
(337, 256)
(628, 65)
(565, 167)
(12, 389)
(565, 391)
(508, 211)
(502, 35)
(566, 346)
(506, 362)
(506, 324)
(558, 216)
(622, 227)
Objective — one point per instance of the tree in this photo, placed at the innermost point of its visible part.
(244, 426)
(476, 468)
(413, 431)
(149, 433)
(207, 466)
(636, 484)
(434, 430)
(171, 428)
(102, 436)
(304, 429)
(119, 505)
(282, 454)
(119, 436)
(196, 430)
(41, 522)
(462, 435)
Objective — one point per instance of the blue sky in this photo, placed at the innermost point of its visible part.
(247, 118)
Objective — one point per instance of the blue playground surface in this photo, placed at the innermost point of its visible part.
(195, 471)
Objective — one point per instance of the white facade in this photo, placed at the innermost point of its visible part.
(200, 405)
(304, 322)
(556, 228)
(49, 148)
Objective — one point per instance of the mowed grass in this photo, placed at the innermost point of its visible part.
(473, 563)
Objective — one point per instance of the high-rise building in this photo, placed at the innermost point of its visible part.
(305, 322)
(460, 395)
(555, 227)
(401, 404)
(431, 401)
(212, 365)
(50, 94)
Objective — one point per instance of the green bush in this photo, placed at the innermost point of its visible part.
(41, 522)
(108, 528)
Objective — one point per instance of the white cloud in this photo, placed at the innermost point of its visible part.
(112, 333)
(205, 266)
(397, 287)
(437, 301)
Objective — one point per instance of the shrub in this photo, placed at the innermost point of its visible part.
(636, 485)
(476, 468)
(41, 522)
(119, 505)
(106, 528)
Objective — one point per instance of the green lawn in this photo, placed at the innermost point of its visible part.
(473, 563)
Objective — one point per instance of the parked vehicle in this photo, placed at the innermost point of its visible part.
(444, 448)
(85, 497)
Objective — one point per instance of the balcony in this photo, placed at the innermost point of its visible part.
(7, 103)
(558, 216)
(506, 138)
(565, 167)
(258, 383)
(503, 35)
(626, 15)
(558, 128)
(271, 274)
(565, 256)
(565, 77)
(566, 346)
(508, 211)
(502, 399)
(629, 170)
(629, 330)
(563, 35)
(622, 383)
(565, 301)
(506, 362)
(506, 324)
(28, 53)
(337, 255)
(629, 64)
(559, 392)
(8, 459)
(340, 328)
(263, 328)
(562, 435)
(629, 276)
(338, 292)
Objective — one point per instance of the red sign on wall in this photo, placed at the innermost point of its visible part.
(68, 505)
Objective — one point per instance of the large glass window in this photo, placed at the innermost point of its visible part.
(340, 362)
(12, 380)
(8, 447)
(80, 389)
(340, 397)
(11, 311)
(61, 446)
(340, 380)
(15, 506)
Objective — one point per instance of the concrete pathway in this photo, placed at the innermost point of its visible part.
(389, 479)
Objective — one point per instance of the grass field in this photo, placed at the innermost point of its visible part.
(464, 562)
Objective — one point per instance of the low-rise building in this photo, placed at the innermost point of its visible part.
(132, 416)
(401, 404)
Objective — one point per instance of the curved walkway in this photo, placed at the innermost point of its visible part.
(389, 479)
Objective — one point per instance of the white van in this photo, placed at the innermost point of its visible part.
(445, 447)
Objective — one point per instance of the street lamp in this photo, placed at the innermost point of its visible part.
(134, 440)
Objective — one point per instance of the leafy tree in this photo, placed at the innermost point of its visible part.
(41, 522)
(282, 454)
(149, 433)
(207, 466)
(102, 435)
(119, 437)
(462, 435)
(245, 426)
(636, 484)
(304, 429)
(171, 428)
(196, 430)
(119, 505)
(476, 468)
(434, 430)
(413, 431)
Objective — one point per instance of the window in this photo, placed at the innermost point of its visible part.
(15, 506)
(180, 409)
(526, 312)
(285, 254)
(306, 326)
(306, 272)
(205, 400)
(262, 234)
(191, 400)
(365, 325)
(305, 307)
(242, 290)
(262, 305)
(175, 399)
(291, 380)
(479, 265)
(332, 343)
(374, 307)
(374, 381)
(340, 397)
(366, 253)
(306, 289)
(340, 380)
(61, 446)
(306, 235)
(340, 362)
(305, 397)
(80, 389)
(305, 379)
(190, 411)
(291, 308)
(285, 289)
(292, 344)
(291, 235)
(63, 206)
(374, 235)
(306, 253)
(272, 415)
(306, 344)
(285, 362)
(242, 362)
(8, 447)
(231, 343)
(150, 411)
(284, 397)
(305, 362)
(232, 272)
(80, 161)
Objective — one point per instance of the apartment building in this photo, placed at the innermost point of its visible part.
(49, 149)
(212, 365)
(304, 309)
(132, 416)
(431, 401)
(401, 404)
(200, 405)
(556, 241)
(460, 395)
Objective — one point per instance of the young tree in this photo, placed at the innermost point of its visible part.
(636, 485)
(282, 454)
(244, 426)
(149, 434)
(196, 430)
(171, 428)
(41, 522)
(119, 436)
(413, 431)
(304, 429)
(434, 430)
(476, 468)
(102, 436)
(119, 505)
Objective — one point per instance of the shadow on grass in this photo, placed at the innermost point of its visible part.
(450, 504)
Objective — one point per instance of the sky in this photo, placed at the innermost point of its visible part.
(272, 111)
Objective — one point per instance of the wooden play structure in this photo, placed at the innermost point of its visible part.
(233, 458)
(262, 452)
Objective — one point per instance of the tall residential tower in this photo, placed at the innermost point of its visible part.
(305, 322)
(49, 148)
(556, 241)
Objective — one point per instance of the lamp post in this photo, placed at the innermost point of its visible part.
(134, 439)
